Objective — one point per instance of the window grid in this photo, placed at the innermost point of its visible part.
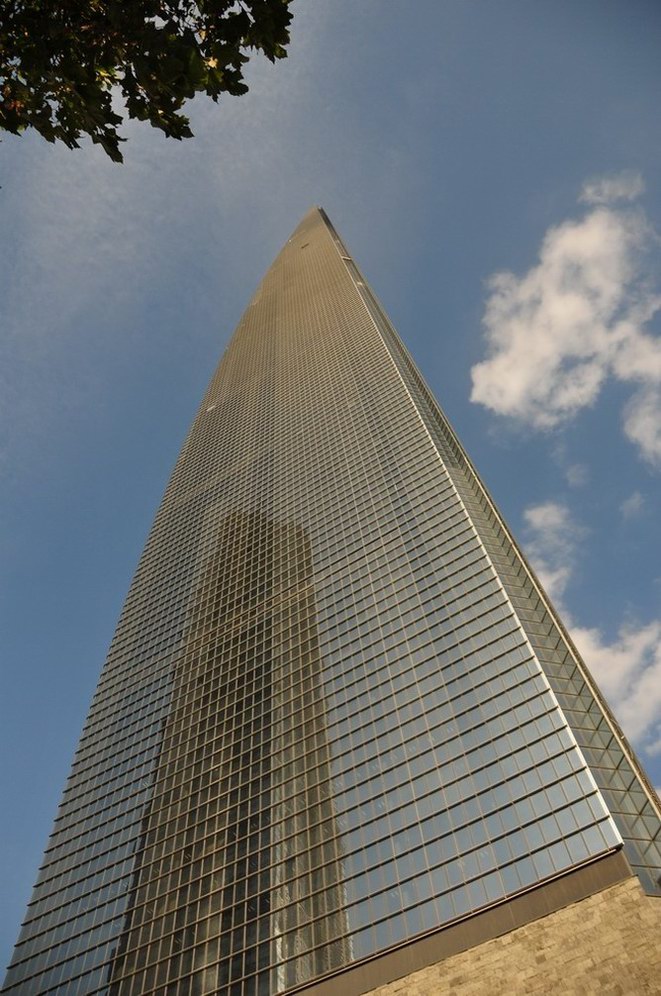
(325, 723)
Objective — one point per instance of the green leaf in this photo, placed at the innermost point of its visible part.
(58, 62)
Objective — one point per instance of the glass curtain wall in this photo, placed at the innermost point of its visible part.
(338, 711)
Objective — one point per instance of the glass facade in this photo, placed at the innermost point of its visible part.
(338, 711)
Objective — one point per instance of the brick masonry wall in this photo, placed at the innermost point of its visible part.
(608, 944)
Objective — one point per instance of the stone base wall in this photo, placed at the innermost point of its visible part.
(608, 944)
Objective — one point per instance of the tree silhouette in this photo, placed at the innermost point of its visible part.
(65, 64)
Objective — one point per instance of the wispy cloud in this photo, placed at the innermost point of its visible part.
(578, 317)
(629, 673)
(552, 540)
(628, 669)
(632, 506)
(577, 475)
(624, 186)
(91, 251)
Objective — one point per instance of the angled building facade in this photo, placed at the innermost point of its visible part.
(341, 735)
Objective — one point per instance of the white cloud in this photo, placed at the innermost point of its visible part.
(551, 547)
(580, 316)
(625, 186)
(628, 669)
(629, 673)
(632, 506)
(642, 422)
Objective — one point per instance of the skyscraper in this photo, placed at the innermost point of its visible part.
(341, 734)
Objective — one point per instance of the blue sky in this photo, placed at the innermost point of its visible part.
(494, 169)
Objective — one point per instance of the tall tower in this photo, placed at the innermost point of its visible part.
(341, 734)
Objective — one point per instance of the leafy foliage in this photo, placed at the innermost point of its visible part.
(60, 61)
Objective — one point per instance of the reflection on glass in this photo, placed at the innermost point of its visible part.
(223, 888)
